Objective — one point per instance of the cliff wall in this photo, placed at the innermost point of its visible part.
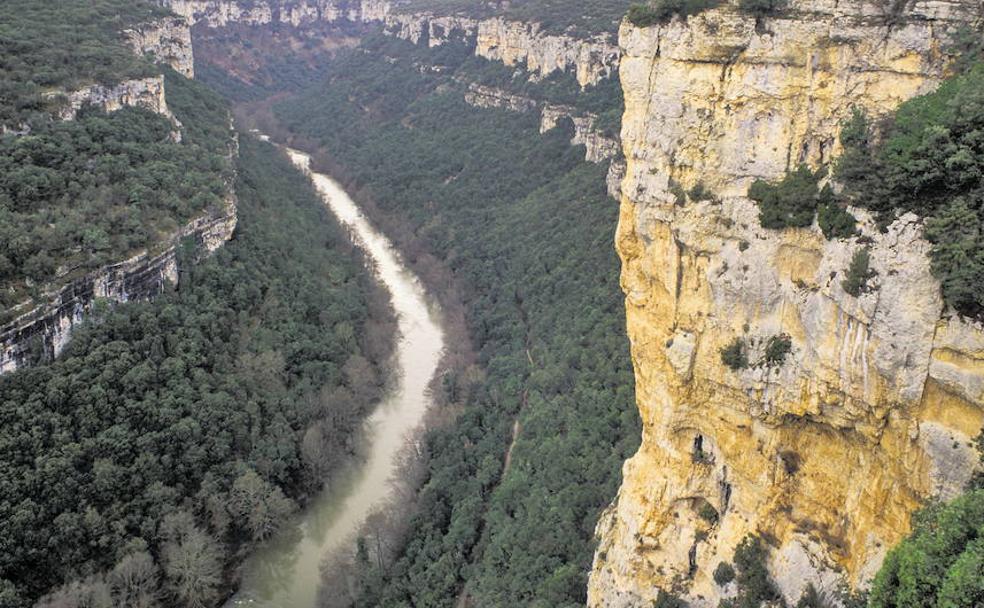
(167, 41)
(496, 39)
(598, 146)
(147, 93)
(826, 455)
(44, 330)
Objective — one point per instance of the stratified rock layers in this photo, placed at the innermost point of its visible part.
(873, 411)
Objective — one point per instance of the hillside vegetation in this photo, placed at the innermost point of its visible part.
(53, 44)
(79, 194)
(168, 439)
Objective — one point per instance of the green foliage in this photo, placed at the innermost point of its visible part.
(941, 564)
(661, 11)
(811, 598)
(195, 401)
(835, 221)
(734, 355)
(699, 193)
(708, 513)
(930, 162)
(777, 348)
(665, 599)
(754, 584)
(76, 195)
(48, 44)
(858, 273)
(724, 573)
(792, 202)
(761, 8)
(525, 224)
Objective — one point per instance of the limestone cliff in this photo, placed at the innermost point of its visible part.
(45, 329)
(147, 93)
(512, 42)
(167, 41)
(828, 454)
(599, 147)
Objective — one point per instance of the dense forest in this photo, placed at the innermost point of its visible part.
(78, 194)
(526, 228)
(174, 434)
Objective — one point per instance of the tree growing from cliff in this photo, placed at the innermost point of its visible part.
(941, 564)
(662, 11)
(929, 160)
(734, 355)
(761, 8)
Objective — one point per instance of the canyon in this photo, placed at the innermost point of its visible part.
(825, 455)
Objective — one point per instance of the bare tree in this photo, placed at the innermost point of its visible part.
(192, 564)
(92, 592)
(134, 581)
(262, 505)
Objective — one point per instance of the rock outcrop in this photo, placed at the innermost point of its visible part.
(511, 42)
(43, 331)
(167, 41)
(481, 96)
(147, 93)
(599, 147)
(827, 454)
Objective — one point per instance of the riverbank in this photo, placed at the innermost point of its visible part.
(286, 571)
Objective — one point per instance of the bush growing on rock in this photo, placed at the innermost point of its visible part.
(724, 573)
(790, 203)
(755, 587)
(662, 11)
(761, 8)
(777, 348)
(858, 273)
(929, 160)
(734, 356)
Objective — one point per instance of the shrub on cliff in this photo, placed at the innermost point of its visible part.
(791, 202)
(761, 8)
(858, 273)
(662, 11)
(777, 348)
(941, 563)
(734, 356)
(724, 573)
(755, 587)
(930, 161)
(835, 221)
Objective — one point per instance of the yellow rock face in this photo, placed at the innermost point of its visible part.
(828, 454)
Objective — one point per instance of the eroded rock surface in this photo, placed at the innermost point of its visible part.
(827, 454)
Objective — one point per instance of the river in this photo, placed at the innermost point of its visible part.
(285, 572)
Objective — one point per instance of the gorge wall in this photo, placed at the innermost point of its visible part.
(42, 326)
(512, 42)
(827, 455)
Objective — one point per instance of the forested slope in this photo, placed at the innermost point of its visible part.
(168, 438)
